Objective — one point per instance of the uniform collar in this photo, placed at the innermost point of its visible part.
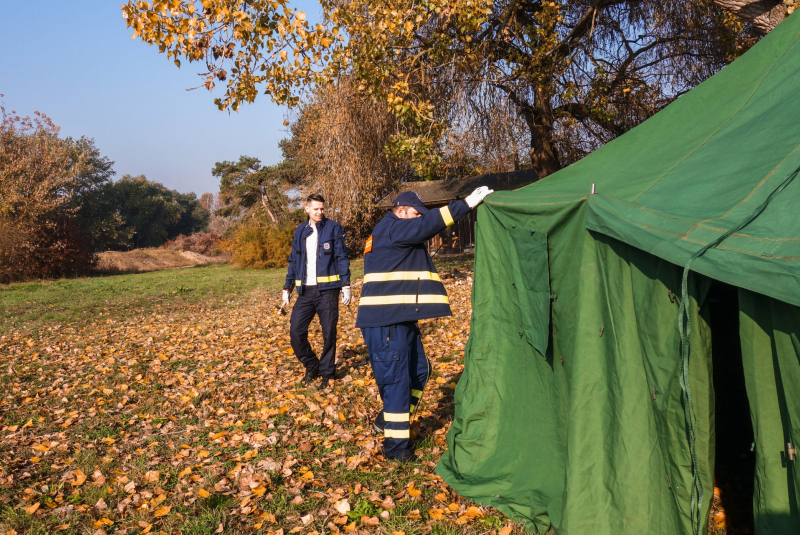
(319, 225)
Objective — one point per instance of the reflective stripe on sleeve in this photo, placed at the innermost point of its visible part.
(396, 416)
(403, 300)
(332, 278)
(446, 216)
(416, 393)
(402, 276)
(298, 283)
(397, 433)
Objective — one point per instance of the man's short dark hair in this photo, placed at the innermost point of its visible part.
(315, 197)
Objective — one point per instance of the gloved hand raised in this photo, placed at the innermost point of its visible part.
(477, 196)
(285, 298)
(346, 295)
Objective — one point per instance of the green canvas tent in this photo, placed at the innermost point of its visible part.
(581, 410)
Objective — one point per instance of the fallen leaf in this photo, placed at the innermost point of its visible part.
(103, 522)
(505, 531)
(162, 511)
(343, 506)
(412, 491)
(436, 514)
(308, 476)
(98, 478)
(306, 520)
(32, 509)
(152, 476)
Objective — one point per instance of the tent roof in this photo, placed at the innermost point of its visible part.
(696, 169)
(444, 191)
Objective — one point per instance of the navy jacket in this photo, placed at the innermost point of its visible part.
(333, 267)
(400, 281)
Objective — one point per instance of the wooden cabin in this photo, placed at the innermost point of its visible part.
(459, 238)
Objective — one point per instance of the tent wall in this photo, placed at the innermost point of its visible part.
(771, 353)
(572, 438)
(562, 431)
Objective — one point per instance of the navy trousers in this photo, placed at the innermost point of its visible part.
(325, 304)
(401, 370)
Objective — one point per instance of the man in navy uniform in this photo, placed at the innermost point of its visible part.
(320, 270)
(401, 286)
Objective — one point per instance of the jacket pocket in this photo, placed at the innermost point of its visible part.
(386, 367)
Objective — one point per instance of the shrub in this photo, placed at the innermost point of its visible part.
(205, 243)
(52, 249)
(259, 245)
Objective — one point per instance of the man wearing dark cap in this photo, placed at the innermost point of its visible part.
(401, 286)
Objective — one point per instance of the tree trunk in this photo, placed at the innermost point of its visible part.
(269, 212)
(763, 14)
(543, 153)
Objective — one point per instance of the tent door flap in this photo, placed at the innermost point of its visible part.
(531, 283)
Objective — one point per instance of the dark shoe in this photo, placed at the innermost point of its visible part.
(326, 382)
(309, 377)
(378, 424)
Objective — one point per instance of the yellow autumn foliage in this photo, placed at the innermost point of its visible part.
(259, 245)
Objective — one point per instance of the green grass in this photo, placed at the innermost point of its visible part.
(33, 306)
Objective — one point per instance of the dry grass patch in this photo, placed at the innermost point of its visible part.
(141, 260)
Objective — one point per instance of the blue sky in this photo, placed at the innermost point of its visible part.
(75, 62)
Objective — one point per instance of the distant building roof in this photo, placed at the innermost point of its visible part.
(444, 191)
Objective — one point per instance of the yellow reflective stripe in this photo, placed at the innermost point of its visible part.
(332, 278)
(448, 218)
(413, 408)
(402, 276)
(396, 416)
(416, 393)
(403, 300)
(298, 283)
(397, 433)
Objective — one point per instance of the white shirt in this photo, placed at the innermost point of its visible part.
(311, 256)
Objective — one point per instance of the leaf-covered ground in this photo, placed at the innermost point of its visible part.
(189, 417)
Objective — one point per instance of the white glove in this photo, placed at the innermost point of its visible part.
(477, 196)
(285, 298)
(346, 295)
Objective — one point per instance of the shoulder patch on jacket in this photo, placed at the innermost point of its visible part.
(368, 245)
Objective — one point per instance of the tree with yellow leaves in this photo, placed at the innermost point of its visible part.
(577, 73)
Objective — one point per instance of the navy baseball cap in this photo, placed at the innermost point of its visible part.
(410, 198)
